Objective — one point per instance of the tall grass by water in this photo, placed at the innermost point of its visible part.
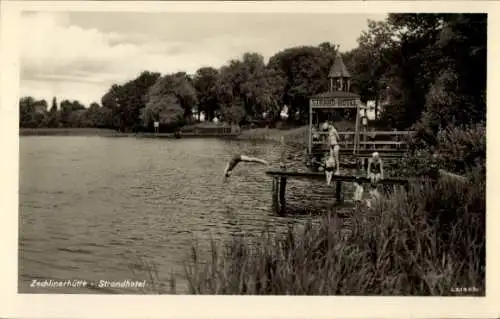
(427, 241)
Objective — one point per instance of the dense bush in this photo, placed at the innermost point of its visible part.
(461, 149)
(456, 149)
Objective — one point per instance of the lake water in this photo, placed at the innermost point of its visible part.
(95, 208)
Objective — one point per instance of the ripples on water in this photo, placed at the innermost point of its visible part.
(92, 207)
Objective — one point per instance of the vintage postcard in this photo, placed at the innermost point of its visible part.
(319, 155)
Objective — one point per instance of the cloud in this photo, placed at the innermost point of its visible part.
(51, 47)
(80, 55)
(55, 54)
(84, 92)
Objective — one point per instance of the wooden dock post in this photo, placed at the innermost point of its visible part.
(280, 180)
(338, 192)
(282, 195)
(279, 192)
(274, 194)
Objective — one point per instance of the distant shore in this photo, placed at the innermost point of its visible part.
(111, 133)
(68, 131)
(256, 134)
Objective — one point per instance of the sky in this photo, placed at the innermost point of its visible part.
(79, 55)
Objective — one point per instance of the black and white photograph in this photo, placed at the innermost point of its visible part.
(252, 153)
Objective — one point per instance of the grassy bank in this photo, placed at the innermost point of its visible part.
(292, 136)
(428, 241)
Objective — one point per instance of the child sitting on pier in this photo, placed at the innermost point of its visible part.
(330, 163)
(358, 186)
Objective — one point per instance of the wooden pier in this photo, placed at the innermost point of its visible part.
(280, 180)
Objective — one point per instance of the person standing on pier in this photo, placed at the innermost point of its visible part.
(328, 165)
(334, 139)
(375, 173)
(241, 158)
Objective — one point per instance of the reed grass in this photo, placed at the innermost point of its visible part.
(429, 240)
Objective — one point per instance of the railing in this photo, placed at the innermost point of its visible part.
(395, 142)
(377, 133)
(345, 143)
(374, 133)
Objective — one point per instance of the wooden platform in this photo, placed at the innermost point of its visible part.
(342, 178)
(383, 152)
(280, 180)
(394, 144)
(393, 154)
(346, 150)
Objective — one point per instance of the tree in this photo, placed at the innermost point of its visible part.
(170, 101)
(126, 101)
(275, 87)
(263, 86)
(249, 85)
(32, 113)
(183, 89)
(432, 67)
(205, 83)
(68, 111)
(233, 113)
(114, 101)
(395, 113)
(165, 109)
(371, 60)
(92, 114)
(77, 118)
(104, 119)
(419, 60)
(306, 72)
(135, 92)
(26, 110)
(463, 41)
(446, 67)
(53, 116)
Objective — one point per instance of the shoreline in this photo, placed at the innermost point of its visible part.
(111, 133)
(257, 134)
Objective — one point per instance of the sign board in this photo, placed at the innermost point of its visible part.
(334, 103)
(157, 124)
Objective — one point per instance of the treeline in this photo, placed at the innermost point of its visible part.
(429, 70)
(36, 113)
(431, 67)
